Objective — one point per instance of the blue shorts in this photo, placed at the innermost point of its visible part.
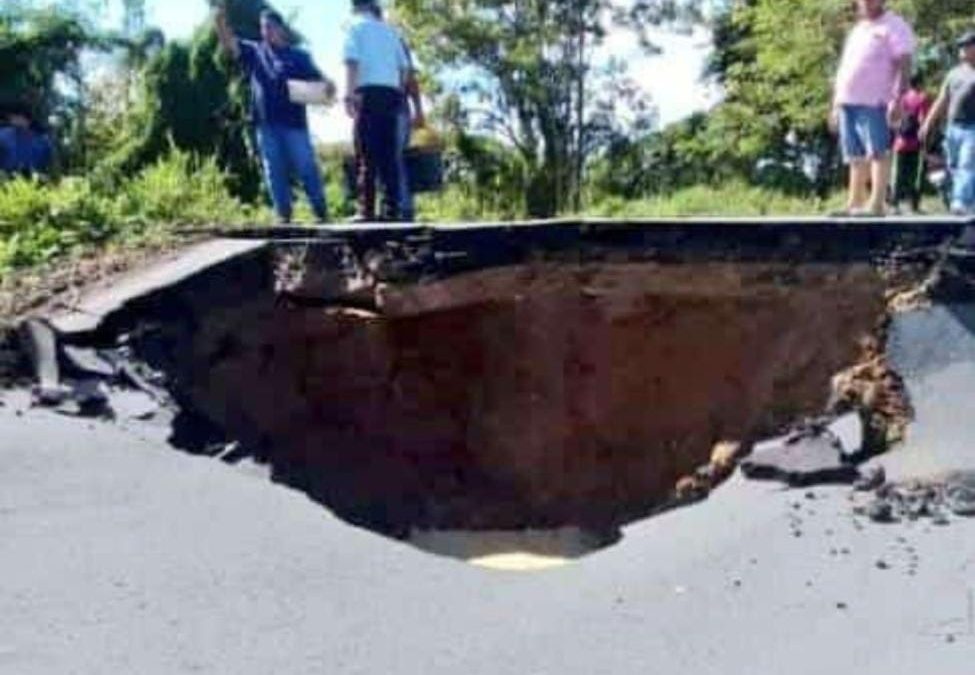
(864, 132)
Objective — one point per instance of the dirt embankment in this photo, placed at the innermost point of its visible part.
(541, 395)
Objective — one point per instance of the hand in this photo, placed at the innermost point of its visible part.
(924, 133)
(352, 105)
(330, 88)
(894, 113)
(834, 120)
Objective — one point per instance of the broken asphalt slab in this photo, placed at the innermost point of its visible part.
(820, 452)
(96, 306)
(934, 351)
(801, 462)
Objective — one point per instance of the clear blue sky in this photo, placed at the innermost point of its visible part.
(672, 78)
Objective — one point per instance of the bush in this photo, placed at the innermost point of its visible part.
(40, 221)
(179, 189)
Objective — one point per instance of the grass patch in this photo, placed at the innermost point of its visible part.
(731, 199)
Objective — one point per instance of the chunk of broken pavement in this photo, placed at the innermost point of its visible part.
(873, 479)
(881, 511)
(39, 342)
(848, 432)
(960, 493)
(810, 460)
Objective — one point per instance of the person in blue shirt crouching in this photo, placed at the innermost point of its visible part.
(282, 125)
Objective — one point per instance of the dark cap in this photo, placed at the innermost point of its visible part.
(271, 16)
(967, 39)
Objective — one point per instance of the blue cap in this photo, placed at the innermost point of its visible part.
(967, 39)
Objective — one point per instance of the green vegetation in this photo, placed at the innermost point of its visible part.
(42, 221)
(730, 199)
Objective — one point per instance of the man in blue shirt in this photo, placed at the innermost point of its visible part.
(377, 68)
(411, 116)
(282, 126)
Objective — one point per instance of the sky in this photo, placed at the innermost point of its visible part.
(673, 78)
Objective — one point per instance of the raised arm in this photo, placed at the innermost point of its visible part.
(228, 41)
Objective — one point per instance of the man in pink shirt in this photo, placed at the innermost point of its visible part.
(867, 100)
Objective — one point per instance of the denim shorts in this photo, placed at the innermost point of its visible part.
(864, 132)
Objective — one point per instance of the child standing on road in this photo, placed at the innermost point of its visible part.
(915, 104)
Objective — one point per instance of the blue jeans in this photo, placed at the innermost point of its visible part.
(864, 132)
(286, 151)
(960, 153)
(407, 208)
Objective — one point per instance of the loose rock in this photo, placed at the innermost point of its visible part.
(881, 511)
(873, 479)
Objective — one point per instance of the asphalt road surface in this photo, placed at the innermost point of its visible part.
(119, 554)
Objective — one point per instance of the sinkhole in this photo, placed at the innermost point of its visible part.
(510, 405)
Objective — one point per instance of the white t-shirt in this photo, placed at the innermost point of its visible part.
(378, 50)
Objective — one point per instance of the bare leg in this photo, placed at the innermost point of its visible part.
(879, 179)
(859, 179)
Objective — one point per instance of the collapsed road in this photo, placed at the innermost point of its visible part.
(548, 376)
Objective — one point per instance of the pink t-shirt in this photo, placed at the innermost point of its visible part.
(868, 68)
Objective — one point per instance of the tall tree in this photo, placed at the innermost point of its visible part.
(532, 79)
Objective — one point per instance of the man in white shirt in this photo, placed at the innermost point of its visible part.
(377, 68)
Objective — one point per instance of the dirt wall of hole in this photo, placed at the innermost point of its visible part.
(532, 395)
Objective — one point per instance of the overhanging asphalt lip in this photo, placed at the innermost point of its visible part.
(743, 238)
(457, 248)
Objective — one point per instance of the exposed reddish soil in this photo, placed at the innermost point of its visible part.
(533, 395)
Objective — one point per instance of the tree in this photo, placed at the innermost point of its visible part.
(36, 48)
(531, 78)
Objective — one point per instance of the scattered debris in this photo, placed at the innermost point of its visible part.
(916, 499)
